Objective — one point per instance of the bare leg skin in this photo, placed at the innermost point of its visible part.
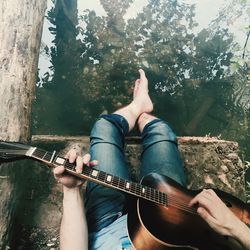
(144, 119)
(141, 102)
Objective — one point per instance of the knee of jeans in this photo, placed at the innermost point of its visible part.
(101, 128)
(104, 131)
(167, 131)
(160, 130)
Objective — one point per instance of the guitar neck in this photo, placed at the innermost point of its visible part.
(101, 177)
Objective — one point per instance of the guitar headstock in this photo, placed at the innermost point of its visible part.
(10, 151)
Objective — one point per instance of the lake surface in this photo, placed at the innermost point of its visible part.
(196, 55)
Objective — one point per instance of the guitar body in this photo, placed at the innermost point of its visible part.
(152, 226)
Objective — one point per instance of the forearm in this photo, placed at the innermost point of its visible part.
(242, 233)
(73, 231)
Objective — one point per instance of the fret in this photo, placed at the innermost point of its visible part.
(47, 157)
(152, 192)
(69, 165)
(86, 171)
(133, 187)
(102, 176)
(138, 189)
(119, 180)
(160, 198)
(39, 153)
(45, 154)
(156, 195)
(121, 184)
(52, 157)
(116, 181)
(149, 193)
(145, 192)
(165, 199)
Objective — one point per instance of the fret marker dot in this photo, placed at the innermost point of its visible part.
(143, 190)
(60, 160)
(94, 173)
(109, 178)
(127, 185)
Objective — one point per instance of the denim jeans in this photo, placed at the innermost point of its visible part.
(159, 154)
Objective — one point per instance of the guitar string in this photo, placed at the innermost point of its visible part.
(171, 200)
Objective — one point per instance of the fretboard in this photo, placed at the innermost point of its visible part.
(103, 178)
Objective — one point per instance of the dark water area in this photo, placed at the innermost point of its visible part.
(196, 55)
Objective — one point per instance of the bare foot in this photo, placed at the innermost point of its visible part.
(141, 102)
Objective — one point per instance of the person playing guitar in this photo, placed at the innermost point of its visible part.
(99, 219)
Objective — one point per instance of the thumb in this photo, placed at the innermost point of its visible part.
(58, 171)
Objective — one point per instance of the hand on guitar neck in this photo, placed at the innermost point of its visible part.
(220, 218)
(73, 231)
(68, 181)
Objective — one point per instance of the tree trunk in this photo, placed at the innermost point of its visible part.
(20, 35)
(21, 25)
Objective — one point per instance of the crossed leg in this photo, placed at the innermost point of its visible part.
(104, 205)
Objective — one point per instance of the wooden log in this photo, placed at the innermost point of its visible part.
(21, 25)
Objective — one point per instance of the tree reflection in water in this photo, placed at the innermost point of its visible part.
(198, 80)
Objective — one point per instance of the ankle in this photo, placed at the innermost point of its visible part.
(130, 113)
(134, 109)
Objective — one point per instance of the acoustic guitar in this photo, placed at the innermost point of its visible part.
(160, 217)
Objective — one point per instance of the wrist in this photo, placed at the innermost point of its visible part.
(67, 190)
(239, 230)
(72, 193)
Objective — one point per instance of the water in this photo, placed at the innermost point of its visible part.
(196, 55)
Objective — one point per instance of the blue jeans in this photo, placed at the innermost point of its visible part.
(159, 154)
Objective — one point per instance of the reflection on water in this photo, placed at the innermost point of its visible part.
(197, 60)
